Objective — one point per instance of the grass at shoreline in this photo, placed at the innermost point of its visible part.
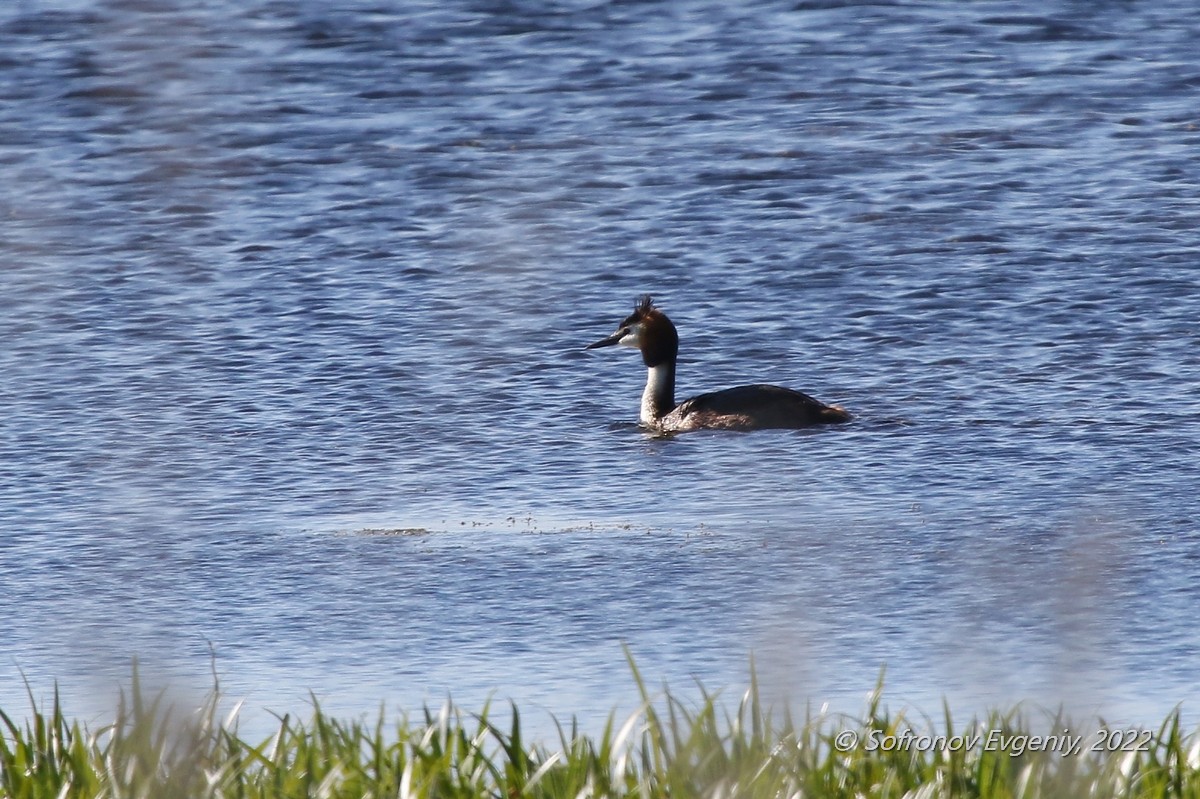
(671, 748)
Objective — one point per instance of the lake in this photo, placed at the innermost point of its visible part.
(295, 300)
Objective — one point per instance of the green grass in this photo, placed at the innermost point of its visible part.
(671, 748)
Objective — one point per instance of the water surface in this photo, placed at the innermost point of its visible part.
(277, 276)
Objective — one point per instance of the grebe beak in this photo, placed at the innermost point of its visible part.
(615, 338)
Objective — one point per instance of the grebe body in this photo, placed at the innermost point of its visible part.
(754, 407)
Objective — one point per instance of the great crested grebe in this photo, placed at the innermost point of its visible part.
(742, 408)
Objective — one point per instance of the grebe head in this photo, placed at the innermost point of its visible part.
(649, 330)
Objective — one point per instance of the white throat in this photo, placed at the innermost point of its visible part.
(659, 397)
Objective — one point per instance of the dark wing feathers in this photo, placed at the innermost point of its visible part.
(770, 406)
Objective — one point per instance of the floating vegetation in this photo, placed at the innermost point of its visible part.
(391, 531)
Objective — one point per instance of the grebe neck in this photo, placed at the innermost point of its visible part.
(659, 397)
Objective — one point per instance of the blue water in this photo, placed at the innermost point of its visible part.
(294, 302)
